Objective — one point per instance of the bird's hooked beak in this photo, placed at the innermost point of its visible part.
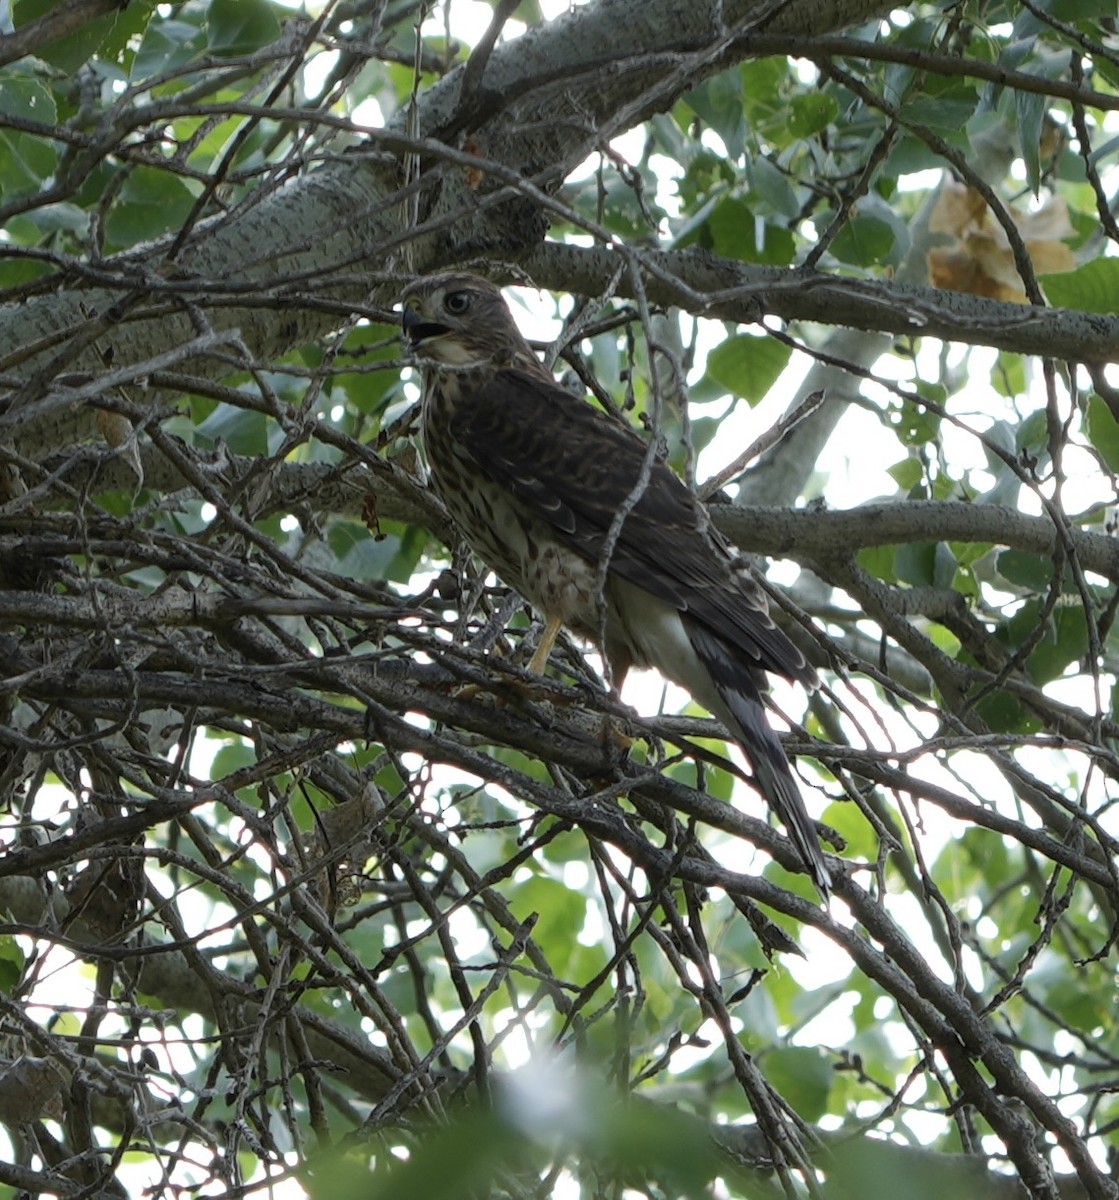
(419, 330)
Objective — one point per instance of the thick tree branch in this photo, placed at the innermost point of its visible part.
(806, 535)
(325, 224)
(705, 284)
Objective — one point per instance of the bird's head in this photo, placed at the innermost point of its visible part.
(460, 320)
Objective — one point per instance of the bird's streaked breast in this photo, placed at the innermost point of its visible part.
(517, 546)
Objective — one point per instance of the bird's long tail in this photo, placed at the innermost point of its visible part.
(742, 710)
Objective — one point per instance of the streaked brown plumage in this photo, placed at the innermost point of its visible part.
(534, 477)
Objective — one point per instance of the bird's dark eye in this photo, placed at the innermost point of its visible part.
(457, 302)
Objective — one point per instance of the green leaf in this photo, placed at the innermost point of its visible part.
(641, 1142)
(558, 909)
(704, 431)
(1081, 1007)
(461, 1159)
(15, 270)
(707, 174)
(151, 202)
(241, 429)
(945, 566)
(1059, 638)
(770, 185)
(72, 51)
(926, 564)
(865, 241)
(232, 756)
(11, 964)
(737, 232)
(1093, 287)
(812, 113)
(1032, 434)
(240, 26)
(879, 561)
(168, 45)
(621, 210)
(911, 154)
(718, 103)
(747, 366)
(1030, 109)
(916, 425)
(908, 473)
(364, 555)
(949, 108)
(1008, 377)
(1077, 10)
(1025, 570)
(762, 81)
(916, 563)
(1103, 431)
(26, 159)
(1065, 642)
(717, 782)
(891, 1170)
(803, 1077)
(129, 26)
(1031, 571)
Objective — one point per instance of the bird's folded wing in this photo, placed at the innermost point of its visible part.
(574, 468)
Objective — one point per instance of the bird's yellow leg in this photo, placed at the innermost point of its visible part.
(535, 667)
(614, 737)
(547, 641)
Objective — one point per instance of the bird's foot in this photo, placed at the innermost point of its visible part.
(611, 733)
(506, 690)
(616, 737)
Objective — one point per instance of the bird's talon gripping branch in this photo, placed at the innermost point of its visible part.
(544, 649)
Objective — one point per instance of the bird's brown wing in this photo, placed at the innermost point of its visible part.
(573, 467)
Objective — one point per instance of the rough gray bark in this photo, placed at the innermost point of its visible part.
(741, 292)
(281, 270)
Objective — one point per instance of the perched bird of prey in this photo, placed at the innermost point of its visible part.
(535, 479)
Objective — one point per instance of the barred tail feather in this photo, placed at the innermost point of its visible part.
(742, 711)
